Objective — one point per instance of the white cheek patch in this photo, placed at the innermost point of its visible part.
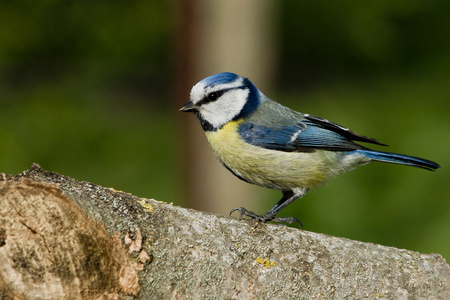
(228, 106)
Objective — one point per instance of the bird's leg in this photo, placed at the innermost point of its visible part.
(288, 197)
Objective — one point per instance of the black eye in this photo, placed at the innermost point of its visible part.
(213, 96)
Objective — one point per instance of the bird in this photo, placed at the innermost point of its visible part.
(267, 144)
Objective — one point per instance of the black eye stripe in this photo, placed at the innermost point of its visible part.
(213, 96)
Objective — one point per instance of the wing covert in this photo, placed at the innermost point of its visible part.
(283, 139)
(306, 136)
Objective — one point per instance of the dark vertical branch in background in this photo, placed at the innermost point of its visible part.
(186, 69)
(184, 35)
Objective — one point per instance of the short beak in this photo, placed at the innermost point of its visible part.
(188, 107)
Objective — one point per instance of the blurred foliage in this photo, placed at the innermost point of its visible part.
(121, 146)
(123, 45)
(355, 39)
(85, 90)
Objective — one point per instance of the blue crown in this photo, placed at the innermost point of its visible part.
(220, 78)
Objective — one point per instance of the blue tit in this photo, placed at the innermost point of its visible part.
(265, 143)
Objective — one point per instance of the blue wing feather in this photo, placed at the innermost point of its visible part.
(308, 136)
(304, 136)
(340, 130)
(275, 139)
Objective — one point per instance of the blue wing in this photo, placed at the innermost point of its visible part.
(306, 136)
(276, 139)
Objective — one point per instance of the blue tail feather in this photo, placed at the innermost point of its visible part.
(401, 159)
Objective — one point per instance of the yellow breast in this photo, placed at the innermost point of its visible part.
(270, 168)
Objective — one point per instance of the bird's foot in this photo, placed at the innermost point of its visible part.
(265, 218)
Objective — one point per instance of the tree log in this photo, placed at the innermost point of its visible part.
(65, 239)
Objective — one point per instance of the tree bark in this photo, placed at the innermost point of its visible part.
(65, 239)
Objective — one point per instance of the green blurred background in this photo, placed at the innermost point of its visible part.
(87, 90)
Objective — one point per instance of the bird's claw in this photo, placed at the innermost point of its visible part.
(265, 218)
(245, 212)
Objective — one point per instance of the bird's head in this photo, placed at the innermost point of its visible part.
(221, 98)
